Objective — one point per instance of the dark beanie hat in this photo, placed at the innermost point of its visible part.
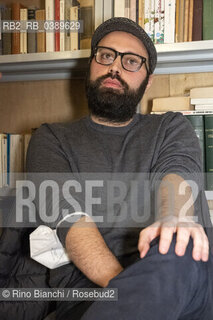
(126, 25)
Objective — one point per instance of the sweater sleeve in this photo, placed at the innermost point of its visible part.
(49, 169)
(178, 152)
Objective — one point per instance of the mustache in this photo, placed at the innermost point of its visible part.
(99, 80)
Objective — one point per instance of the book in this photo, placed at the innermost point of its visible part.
(191, 6)
(4, 160)
(177, 13)
(40, 35)
(68, 5)
(87, 16)
(108, 9)
(181, 21)
(99, 12)
(208, 123)
(127, 9)
(16, 35)
(169, 28)
(197, 27)
(187, 112)
(186, 21)
(119, 8)
(62, 18)
(159, 21)
(50, 35)
(6, 36)
(141, 13)
(27, 138)
(31, 36)
(204, 107)
(197, 122)
(74, 35)
(14, 158)
(205, 101)
(1, 8)
(207, 20)
(149, 26)
(57, 19)
(203, 92)
(171, 104)
(1, 160)
(23, 32)
(133, 10)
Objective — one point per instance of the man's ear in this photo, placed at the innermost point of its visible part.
(149, 82)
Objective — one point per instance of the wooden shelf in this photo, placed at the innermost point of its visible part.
(186, 57)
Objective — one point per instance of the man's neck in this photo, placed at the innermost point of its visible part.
(109, 123)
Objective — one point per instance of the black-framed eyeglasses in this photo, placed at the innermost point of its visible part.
(130, 61)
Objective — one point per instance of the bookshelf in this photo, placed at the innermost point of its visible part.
(176, 58)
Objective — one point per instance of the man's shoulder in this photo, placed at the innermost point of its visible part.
(56, 128)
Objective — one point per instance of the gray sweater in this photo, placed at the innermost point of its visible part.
(116, 172)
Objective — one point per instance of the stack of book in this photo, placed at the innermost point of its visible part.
(169, 21)
(13, 149)
(55, 28)
(198, 108)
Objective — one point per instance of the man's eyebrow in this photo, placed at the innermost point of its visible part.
(130, 52)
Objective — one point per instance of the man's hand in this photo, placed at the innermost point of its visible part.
(165, 228)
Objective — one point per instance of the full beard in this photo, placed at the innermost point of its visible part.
(112, 105)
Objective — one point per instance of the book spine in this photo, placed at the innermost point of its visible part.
(50, 36)
(57, 18)
(23, 33)
(108, 9)
(8, 159)
(191, 6)
(159, 21)
(40, 35)
(181, 22)
(197, 26)
(16, 35)
(1, 51)
(133, 10)
(31, 36)
(6, 37)
(62, 18)
(177, 13)
(68, 5)
(141, 13)
(207, 20)
(99, 11)
(127, 9)
(169, 33)
(119, 8)
(74, 35)
(186, 21)
(152, 19)
(87, 15)
(208, 123)
(1, 160)
(149, 18)
(4, 167)
(197, 122)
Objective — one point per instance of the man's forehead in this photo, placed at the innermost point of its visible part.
(123, 41)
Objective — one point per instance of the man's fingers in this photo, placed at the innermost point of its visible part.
(200, 244)
(166, 236)
(146, 236)
(182, 240)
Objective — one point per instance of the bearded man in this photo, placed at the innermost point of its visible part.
(156, 256)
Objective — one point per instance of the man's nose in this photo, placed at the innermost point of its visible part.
(116, 66)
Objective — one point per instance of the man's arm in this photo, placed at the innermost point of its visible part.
(171, 220)
(89, 252)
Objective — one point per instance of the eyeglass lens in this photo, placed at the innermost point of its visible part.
(107, 56)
